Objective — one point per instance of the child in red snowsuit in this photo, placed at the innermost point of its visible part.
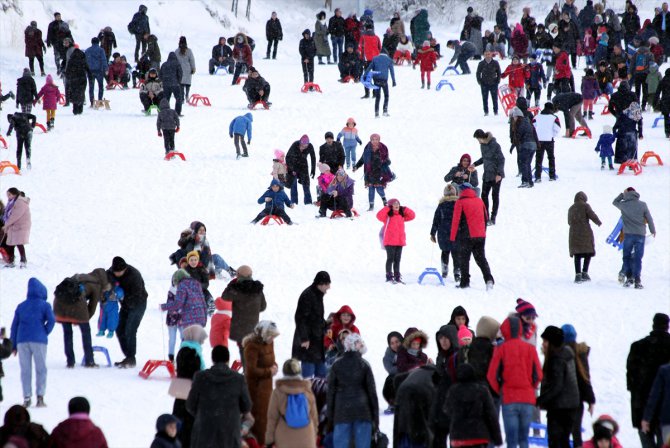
(517, 76)
(427, 60)
(221, 318)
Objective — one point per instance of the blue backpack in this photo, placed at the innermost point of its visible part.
(297, 415)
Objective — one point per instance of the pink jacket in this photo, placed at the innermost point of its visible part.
(51, 95)
(325, 179)
(394, 226)
(18, 224)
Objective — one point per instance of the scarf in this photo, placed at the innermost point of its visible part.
(8, 210)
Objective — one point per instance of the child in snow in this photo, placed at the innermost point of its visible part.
(426, 58)
(526, 312)
(323, 181)
(166, 432)
(535, 79)
(279, 169)
(238, 127)
(653, 80)
(410, 353)
(24, 123)
(220, 326)
(350, 139)
(605, 429)
(341, 193)
(439, 232)
(464, 337)
(51, 96)
(517, 78)
(167, 124)
(590, 92)
(404, 50)
(604, 147)
(274, 199)
(109, 311)
(393, 237)
(342, 320)
(173, 318)
(589, 47)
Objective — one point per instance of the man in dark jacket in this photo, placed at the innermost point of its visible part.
(349, 63)
(462, 52)
(222, 56)
(657, 411)
(414, 402)
(447, 345)
(488, 78)
(310, 327)
(132, 308)
(139, 26)
(217, 399)
(256, 88)
(298, 169)
(332, 153)
(501, 21)
(524, 140)
(26, 92)
(662, 100)
(76, 76)
(274, 34)
(96, 59)
(35, 47)
(307, 50)
(171, 75)
(494, 171)
(570, 103)
(336, 30)
(56, 33)
(621, 99)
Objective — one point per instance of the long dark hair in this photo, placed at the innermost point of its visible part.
(15, 192)
(581, 369)
(183, 46)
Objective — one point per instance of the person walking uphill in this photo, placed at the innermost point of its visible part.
(187, 62)
(635, 215)
(298, 169)
(96, 59)
(167, 124)
(382, 65)
(16, 228)
(23, 123)
(132, 308)
(33, 322)
(138, 27)
(51, 95)
(581, 241)
(171, 75)
(310, 328)
(442, 228)
(393, 236)
(238, 127)
(35, 47)
(494, 171)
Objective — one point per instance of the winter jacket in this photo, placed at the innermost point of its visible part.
(470, 209)
(352, 394)
(279, 199)
(248, 303)
(407, 360)
(26, 90)
(219, 331)
(662, 98)
(151, 85)
(604, 77)
(190, 303)
(242, 52)
(382, 64)
(581, 241)
(488, 73)
(635, 213)
(349, 137)
(394, 225)
(18, 224)
(658, 405)
(390, 361)
(568, 35)
(547, 126)
(324, 180)
(153, 52)
(321, 39)
(83, 310)
(516, 73)
(296, 163)
(171, 73)
(217, 399)
(562, 66)
(653, 79)
(451, 176)
(33, 318)
(621, 99)
(187, 63)
(107, 41)
(564, 101)
(375, 165)
(132, 284)
(415, 398)
(465, 48)
(259, 358)
(252, 87)
(273, 30)
(640, 62)
(57, 32)
(345, 190)
(116, 71)
(534, 74)
(167, 118)
(277, 430)
(501, 20)
(307, 48)
(369, 46)
(442, 222)
(162, 440)
(586, 16)
(559, 388)
(419, 27)
(519, 42)
(240, 125)
(492, 158)
(221, 51)
(33, 40)
(17, 423)
(76, 72)
(604, 145)
(96, 59)
(590, 88)
(543, 41)
(336, 327)
(309, 326)
(77, 431)
(583, 382)
(352, 33)
(515, 371)
(139, 25)
(426, 58)
(332, 155)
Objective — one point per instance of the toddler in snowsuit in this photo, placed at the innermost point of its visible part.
(279, 169)
(274, 199)
(427, 59)
(604, 146)
(220, 324)
(167, 124)
(652, 81)
(350, 139)
(51, 96)
(323, 181)
(238, 127)
(109, 312)
(24, 123)
(590, 92)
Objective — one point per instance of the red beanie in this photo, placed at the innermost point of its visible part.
(524, 307)
(466, 156)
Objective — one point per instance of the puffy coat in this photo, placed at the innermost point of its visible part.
(590, 88)
(259, 358)
(273, 30)
(621, 99)
(307, 48)
(152, 85)
(426, 58)
(394, 225)
(321, 39)
(369, 45)
(488, 73)
(84, 309)
(419, 27)
(248, 302)
(564, 101)
(470, 209)
(519, 42)
(76, 73)
(116, 71)
(492, 158)
(190, 303)
(33, 40)
(414, 401)
(515, 371)
(442, 222)
(345, 190)
(17, 226)
(279, 199)
(581, 241)
(220, 323)
(76, 431)
(50, 94)
(96, 59)
(187, 63)
(559, 388)
(336, 26)
(167, 118)
(516, 73)
(547, 126)
(132, 284)
(153, 52)
(472, 178)
(634, 213)
(26, 90)
(375, 165)
(562, 66)
(17, 423)
(252, 87)
(333, 155)
(278, 432)
(407, 361)
(242, 52)
(33, 318)
(337, 326)
(296, 162)
(309, 326)
(171, 73)
(241, 125)
(382, 64)
(107, 41)
(663, 93)
(140, 23)
(352, 394)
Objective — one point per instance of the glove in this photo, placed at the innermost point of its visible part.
(596, 150)
(160, 134)
(393, 83)
(432, 238)
(176, 130)
(312, 175)
(401, 211)
(248, 142)
(231, 135)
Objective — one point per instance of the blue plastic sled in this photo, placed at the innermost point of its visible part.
(367, 81)
(613, 238)
(97, 348)
(542, 440)
(431, 271)
(656, 121)
(444, 82)
(451, 68)
(546, 170)
(221, 68)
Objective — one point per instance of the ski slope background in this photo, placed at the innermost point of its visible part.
(99, 187)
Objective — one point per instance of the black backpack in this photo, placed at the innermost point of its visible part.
(69, 291)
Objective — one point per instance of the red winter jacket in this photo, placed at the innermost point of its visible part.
(426, 58)
(116, 71)
(369, 46)
(562, 69)
(516, 73)
(337, 326)
(473, 208)
(76, 432)
(515, 368)
(394, 226)
(242, 53)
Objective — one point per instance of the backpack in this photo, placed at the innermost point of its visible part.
(634, 112)
(640, 62)
(69, 291)
(297, 415)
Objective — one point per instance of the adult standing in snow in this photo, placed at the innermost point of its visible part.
(501, 21)
(298, 170)
(26, 91)
(97, 62)
(336, 30)
(76, 75)
(33, 322)
(488, 78)
(332, 153)
(369, 47)
(132, 308)
(419, 26)
(242, 56)
(321, 37)
(273, 34)
(382, 64)
(415, 398)
(138, 27)
(523, 139)
(547, 127)
(394, 216)
(56, 34)
(172, 75)
(187, 62)
(376, 170)
(17, 222)
(310, 328)
(238, 127)
(494, 171)
(581, 241)
(35, 47)
(107, 41)
(78, 429)
(636, 217)
(307, 50)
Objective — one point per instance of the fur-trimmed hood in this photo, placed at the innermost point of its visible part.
(246, 286)
(413, 333)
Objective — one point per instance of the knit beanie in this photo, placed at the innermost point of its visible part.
(464, 336)
(178, 276)
(553, 335)
(323, 167)
(487, 327)
(569, 333)
(193, 253)
(118, 264)
(304, 140)
(322, 278)
(392, 202)
(525, 308)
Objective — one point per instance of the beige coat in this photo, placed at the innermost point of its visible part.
(17, 227)
(278, 432)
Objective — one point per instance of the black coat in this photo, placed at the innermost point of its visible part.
(171, 72)
(646, 356)
(132, 283)
(57, 32)
(336, 26)
(296, 162)
(347, 59)
(188, 364)
(564, 101)
(414, 401)
(162, 440)
(221, 51)
(620, 100)
(309, 326)
(442, 223)
(559, 388)
(488, 73)
(218, 398)
(351, 391)
(307, 48)
(248, 303)
(492, 158)
(662, 99)
(452, 177)
(501, 20)
(22, 123)
(253, 85)
(76, 73)
(523, 132)
(26, 90)
(273, 30)
(479, 357)
(333, 155)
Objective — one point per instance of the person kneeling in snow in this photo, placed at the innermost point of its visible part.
(274, 199)
(167, 124)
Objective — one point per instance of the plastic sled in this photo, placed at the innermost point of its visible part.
(347, 79)
(650, 155)
(114, 85)
(262, 103)
(152, 107)
(237, 366)
(606, 110)
(310, 87)
(534, 110)
(451, 68)
(656, 121)
(3, 141)
(101, 104)
(340, 214)
(615, 238)
(603, 95)
(430, 272)
(240, 79)
(7, 164)
(367, 81)
(508, 102)
(41, 126)
(542, 440)
(503, 90)
(103, 350)
(265, 221)
(401, 60)
(221, 68)
(633, 164)
(139, 83)
(172, 154)
(153, 364)
(579, 129)
(193, 100)
(546, 170)
(444, 82)
(61, 99)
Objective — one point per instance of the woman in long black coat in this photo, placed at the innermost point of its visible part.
(310, 328)
(76, 74)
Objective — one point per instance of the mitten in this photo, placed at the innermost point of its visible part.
(176, 130)
(160, 134)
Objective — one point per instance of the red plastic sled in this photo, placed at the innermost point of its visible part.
(649, 155)
(153, 364)
(275, 218)
(193, 100)
(114, 85)
(172, 154)
(340, 214)
(347, 79)
(61, 99)
(633, 164)
(41, 126)
(3, 141)
(239, 80)
(7, 164)
(310, 87)
(579, 129)
(262, 103)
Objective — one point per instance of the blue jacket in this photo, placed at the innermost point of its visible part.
(96, 59)
(241, 124)
(382, 64)
(537, 76)
(604, 145)
(279, 198)
(33, 318)
(658, 405)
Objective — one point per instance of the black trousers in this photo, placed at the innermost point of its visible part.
(23, 141)
(493, 91)
(139, 42)
(559, 427)
(537, 91)
(641, 84)
(383, 86)
(148, 102)
(168, 139)
(239, 140)
(388, 392)
(326, 201)
(494, 186)
(474, 247)
(31, 63)
(393, 255)
(272, 211)
(168, 91)
(547, 147)
(308, 70)
(444, 258)
(271, 43)
(240, 67)
(578, 269)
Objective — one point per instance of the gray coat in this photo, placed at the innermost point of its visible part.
(171, 73)
(187, 62)
(167, 118)
(580, 238)
(390, 361)
(321, 39)
(634, 213)
(492, 158)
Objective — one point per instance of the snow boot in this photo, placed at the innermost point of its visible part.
(40, 402)
(602, 166)
(629, 282)
(384, 201)
(428, 86)
(372, 207)
(622, 277)
(423, 85)
(489, 285)
(585, 277)
(578, 278)
(638, 284)
(457, 275)
(100, 333)
(398, 278)
(590, 115)
(110, 335)
(27, 402)
(445, 270)
(611, 167)
(389, 277)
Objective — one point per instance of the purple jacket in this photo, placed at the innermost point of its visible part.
(345, 190)
(590, 89)
(51, 95)
(189, 302)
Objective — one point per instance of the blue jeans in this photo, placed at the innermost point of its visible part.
(517, 418)
(350, 155)
(462, 62)
(172, 338)
(126, 332)
(493, 90)
(371, 194)
(305, 191)
(27, 352)
(609, 89)
(633, 251)
(360, 430)
(95, 76)
(338, 46)
(310, 369)
(219, 263)
(526, 153)
(85, 338)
